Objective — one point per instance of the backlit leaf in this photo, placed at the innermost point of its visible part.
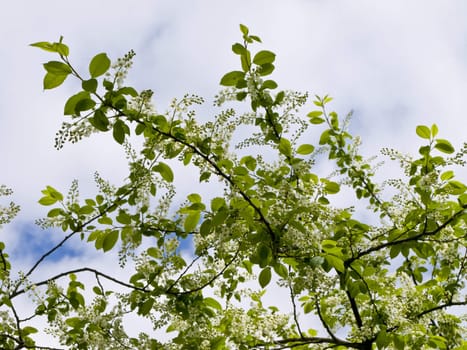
(305, 149)
(110, 240)
(423, 131)
(57, 68)
(99, 65)
(444, 146)
(52, 80)
(165, 171)
(191, 221)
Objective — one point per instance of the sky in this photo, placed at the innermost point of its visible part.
(396, 64)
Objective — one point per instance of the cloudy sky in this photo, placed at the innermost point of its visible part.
(396, 63)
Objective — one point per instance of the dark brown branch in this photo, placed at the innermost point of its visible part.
(295, 342)
(83, 269)
(356, 313)
(63, 241)
(409, 239)
(292, 298)
(204, 285)
(442, 306)
(323, 322)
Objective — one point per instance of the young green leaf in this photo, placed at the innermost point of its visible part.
(244, 29)
(335, 262)
(99, 65)
(57, 68)
(232, 78)
(52, 80)
(423, 131)
(285, 147)
(264, 57)
(191, 221)
(165, 171)
(47, 200)
(305, 149)
(212, 303)
(239, 49)
(444, 146)
(89, 85)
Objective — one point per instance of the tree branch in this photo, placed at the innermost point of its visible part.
(83, 269)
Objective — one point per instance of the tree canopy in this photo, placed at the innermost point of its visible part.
(386, 273)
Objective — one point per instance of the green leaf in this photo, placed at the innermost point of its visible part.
(99, 65)
(119, 131)
(191, 221)
(264, 57)
(165, 171)
(89, 85)
(146, 307)
(447, 175)
(269, 84)
(123, 218)
(212, 303)
(194, 198)
(28, 330)
(59, 47)
(54, 212)
(285, 147)
(331, 187)
(444, 146)
(71, 103)
(382, 340)
(44, 45)
(239, 49)
(52, 80)
(47, 200)
(265, 277)
(57, 68)
(281, 270)
(127, 90)
(434, 130)
(305, 149)
(315, 117)
(456, 187)
(264, 254)
(245, 61)
(110, 240)
(314, 114)
(232, 78)
(266, 69)
(244, 29)
(84, 105)
(335, 262)
(324, 138)
(217, 203)
(308, 307)
(99, 121)
(423, 131)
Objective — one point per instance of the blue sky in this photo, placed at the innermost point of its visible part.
(397, 64)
